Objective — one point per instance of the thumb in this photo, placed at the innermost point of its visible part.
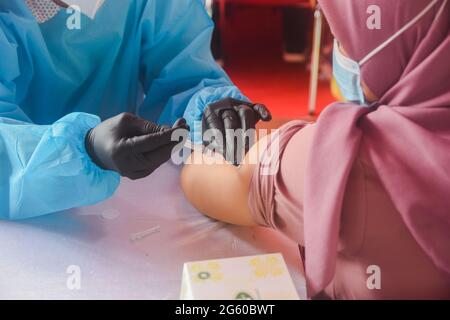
(181, 124)
(262, 112)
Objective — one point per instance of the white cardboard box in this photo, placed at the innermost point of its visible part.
(262, 277)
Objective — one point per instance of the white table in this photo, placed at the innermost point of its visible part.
(36, 254)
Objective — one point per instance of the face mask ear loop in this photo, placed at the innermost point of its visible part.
(399, 32)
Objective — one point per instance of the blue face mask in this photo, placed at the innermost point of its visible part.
(348, 76)
(347, 72)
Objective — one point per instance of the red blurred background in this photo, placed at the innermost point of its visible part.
(252, 48)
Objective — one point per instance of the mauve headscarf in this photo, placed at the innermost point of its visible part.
(407, 132)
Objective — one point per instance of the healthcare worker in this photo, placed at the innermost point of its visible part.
(130, 64)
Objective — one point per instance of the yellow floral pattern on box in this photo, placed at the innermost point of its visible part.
(267, 266)
(206, 271)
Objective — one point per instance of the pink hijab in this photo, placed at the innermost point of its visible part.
(407, 132)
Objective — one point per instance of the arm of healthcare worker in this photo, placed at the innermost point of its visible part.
(180, 76)
(73, 162)
(49, 168)
(45, 168)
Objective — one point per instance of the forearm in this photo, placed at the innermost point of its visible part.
(47, 169)
(219, 191)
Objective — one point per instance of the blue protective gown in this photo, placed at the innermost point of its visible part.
(150, 57)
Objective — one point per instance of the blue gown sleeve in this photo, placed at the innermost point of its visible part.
(179, 74)
(44, 168)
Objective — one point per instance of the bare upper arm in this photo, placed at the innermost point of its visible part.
(217, 190)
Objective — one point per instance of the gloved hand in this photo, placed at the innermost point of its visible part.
(232, 114)
(130, 145)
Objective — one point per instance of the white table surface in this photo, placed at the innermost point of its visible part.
(35, 254)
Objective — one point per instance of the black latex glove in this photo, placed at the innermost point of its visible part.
(232, 114)
(130, 145)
